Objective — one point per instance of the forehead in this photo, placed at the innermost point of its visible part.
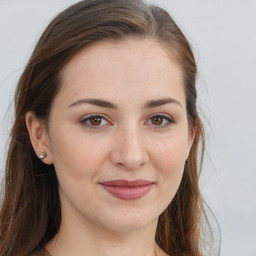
(130, 50)
(109, 68)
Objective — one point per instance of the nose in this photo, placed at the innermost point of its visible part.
(129, 151)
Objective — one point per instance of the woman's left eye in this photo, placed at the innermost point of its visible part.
(160, 121)
(94, 121)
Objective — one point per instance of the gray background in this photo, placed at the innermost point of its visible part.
(223, 35)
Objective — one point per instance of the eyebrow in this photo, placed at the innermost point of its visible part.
(96, 102)
(107, 104)
(160, 102)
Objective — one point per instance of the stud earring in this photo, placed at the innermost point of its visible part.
(43, 155)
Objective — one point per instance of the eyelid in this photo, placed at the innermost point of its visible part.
(94, 115)
(167, 117)
(170, 120)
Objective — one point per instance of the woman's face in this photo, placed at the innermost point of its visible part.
(120, 116)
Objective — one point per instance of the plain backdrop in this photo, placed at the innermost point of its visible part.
(223, 36)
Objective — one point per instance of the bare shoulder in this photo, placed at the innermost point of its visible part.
(163, 254)
(39, 253)
(159, 251)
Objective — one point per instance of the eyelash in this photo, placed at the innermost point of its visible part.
(90, 117)
(86, 119)
(166, 118)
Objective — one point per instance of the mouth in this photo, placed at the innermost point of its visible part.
(127, 190)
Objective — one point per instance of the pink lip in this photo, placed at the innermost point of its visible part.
(127, 190)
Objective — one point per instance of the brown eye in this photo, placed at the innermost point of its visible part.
(95, 121)
(157, 120)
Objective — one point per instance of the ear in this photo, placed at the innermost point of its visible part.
(38, 136)
(191, 137)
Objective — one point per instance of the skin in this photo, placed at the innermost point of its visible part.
(126, 143)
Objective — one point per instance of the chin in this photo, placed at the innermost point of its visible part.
(130, 222)
(129, 226)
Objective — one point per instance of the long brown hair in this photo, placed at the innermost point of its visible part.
(30, 213)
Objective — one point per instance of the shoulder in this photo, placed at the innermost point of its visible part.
(39, 253)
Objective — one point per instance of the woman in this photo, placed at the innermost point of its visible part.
(103, 152)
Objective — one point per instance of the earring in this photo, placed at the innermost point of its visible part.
(43, 155)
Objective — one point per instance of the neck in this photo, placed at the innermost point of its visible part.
(76, 239)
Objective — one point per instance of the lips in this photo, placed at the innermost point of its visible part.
(127, 190)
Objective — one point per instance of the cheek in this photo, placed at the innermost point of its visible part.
(169, 159)
(77, 160)
(169, 162)
(77, 155)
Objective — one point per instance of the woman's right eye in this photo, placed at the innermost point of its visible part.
(94, 121)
